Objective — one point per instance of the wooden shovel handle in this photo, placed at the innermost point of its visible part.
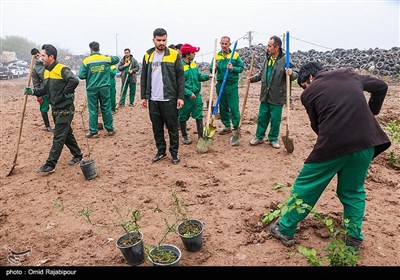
(212, 84)
(247, 89)
(23, 110)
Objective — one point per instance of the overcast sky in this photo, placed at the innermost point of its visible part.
(322, 24)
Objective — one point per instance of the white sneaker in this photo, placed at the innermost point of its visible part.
(256, 141)
(275, 145)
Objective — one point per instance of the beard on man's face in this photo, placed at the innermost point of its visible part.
(160, 47)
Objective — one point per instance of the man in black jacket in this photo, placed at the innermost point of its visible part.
(162, 90)
(59, 86)
(273, 93)
(349, 137)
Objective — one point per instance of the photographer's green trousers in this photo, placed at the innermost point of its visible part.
(351, 172)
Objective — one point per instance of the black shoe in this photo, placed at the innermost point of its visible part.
(46, 169)
(75, 160)
(225, 131)
(186, 140)
(287, 240)
(353, 242)
(92, 135)
(111, 132)
(159, 157)
(175, 159)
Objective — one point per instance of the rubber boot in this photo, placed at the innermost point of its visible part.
(199, 124)
(185, 138)
(46, 121)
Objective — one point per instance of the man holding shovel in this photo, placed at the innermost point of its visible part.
(59, 86)
(128, 67)
(229, 102)
(273, 92)
(193, 100)
(349, 137)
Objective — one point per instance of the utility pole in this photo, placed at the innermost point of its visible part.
(249, 37)
(116, 44)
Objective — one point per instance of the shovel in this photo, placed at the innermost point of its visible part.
(123, 87)
(205, 140)
(287, 141)
(234, 141)
(22, 116)
(210, 128)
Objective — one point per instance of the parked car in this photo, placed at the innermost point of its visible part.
(5, 73)
(25, 71)
(16, 71)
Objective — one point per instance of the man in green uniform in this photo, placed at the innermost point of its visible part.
(273, 92)
(37, 80)
(59, 86)
(95, 69)
(349, 137)
(229, 102)
(129, 67)
(193, 100)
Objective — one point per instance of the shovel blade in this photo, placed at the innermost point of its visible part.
(203, 144)
(234, 141)
(12, 169)
(288, 142)
(209, 131)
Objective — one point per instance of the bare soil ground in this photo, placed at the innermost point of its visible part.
(229, 188)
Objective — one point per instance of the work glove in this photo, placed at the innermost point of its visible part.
(39, 99)
(28, 91)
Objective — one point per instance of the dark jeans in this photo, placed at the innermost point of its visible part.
(63, 135)
(165, 113)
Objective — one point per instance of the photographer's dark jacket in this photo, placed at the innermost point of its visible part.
(340, 115)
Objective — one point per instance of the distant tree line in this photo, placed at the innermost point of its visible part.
(22, 47)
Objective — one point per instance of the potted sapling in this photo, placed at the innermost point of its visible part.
(131, 242)
(189, 230)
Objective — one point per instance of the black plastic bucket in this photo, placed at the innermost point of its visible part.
(88, 168)
(133, 254)
(192, 243)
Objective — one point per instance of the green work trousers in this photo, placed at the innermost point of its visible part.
(229, 105)
(102, 96)
(351, 172)
(269, 113)
(191, 107)
(63, 135)
(132, 92)
(113, 95)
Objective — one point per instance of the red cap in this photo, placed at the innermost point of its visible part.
(186, 48)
